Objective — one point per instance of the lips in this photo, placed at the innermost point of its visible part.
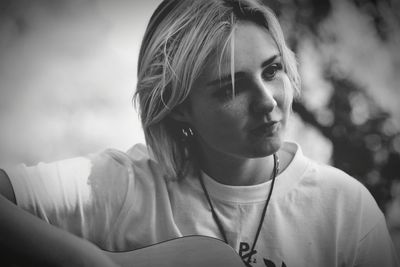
(267, 129)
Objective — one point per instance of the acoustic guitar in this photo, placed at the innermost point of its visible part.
(189, 251)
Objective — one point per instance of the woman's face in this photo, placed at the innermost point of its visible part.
(251, 123)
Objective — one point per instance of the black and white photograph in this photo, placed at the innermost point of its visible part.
(240, 133)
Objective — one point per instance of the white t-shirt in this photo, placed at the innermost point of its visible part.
(317, 216)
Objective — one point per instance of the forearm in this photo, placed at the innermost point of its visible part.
(35, 241)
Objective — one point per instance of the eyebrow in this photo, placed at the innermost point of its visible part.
(240, 74)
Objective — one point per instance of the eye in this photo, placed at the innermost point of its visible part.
(270, 71)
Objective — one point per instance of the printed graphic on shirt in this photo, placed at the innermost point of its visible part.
(250, 259)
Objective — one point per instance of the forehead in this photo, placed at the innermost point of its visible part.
(249, 47)
(253, 44)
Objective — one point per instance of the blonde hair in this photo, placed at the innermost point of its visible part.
(180, 38)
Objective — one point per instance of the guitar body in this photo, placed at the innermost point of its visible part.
(190, 251)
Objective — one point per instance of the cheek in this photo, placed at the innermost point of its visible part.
(287, 95)
(221, 121)
(287, 101)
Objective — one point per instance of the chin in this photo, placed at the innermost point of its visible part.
(266, 148)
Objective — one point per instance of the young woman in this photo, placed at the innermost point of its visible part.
(215, 86)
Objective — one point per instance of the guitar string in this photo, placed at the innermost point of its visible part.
(218, 221)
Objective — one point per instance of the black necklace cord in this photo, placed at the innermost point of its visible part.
(213, 212)
(216, 218)
(274, 174)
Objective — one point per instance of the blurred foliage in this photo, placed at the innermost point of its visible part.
(365, 143)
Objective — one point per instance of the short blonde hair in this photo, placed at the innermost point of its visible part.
(179, 40)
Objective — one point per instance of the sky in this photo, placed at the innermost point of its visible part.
(68, 73)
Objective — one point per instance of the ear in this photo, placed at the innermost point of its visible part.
(180, 113)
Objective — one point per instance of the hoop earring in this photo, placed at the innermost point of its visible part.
(187, 132)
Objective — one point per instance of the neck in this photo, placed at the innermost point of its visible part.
(235, 171)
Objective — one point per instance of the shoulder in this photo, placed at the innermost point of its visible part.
(330, 189)
(107, 172)
(334, 199)
(321, 175)
(136, 163)
(335, 181)
(345, 197)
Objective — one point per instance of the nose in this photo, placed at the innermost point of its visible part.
(263, 100)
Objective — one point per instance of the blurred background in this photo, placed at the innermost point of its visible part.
(68, 73)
